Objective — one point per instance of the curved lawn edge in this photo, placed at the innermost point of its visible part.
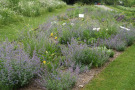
(118, 75)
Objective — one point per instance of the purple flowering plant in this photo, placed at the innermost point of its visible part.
(16, 67)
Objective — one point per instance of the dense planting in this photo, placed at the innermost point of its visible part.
(66, 45)
(16, 67)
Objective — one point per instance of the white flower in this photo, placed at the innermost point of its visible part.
(64, 24)
(94, 29)
(107, 29)
(72, 24)
(98, 29)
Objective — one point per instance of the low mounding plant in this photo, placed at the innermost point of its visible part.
(16, 68)
(115, 42)
(120, 40)
(128, 36)
(69, 31)
(82, 54)
(58, 80)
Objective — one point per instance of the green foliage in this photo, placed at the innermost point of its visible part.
(14, 2)
(74, 12)
(111, 2)
(99, 56)
(121, 69)
(29, 8)
(110, 52)
(16, 68)
(41, 43)
(129, 3)
(7, 16)
(58, 80)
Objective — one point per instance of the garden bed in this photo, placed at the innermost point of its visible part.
(83, 78)
(68, 50)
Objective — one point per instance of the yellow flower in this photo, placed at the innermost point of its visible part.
(44, 62)
(51, 34)
(46, 52)
(56, 38)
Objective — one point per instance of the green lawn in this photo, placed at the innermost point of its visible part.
(119, 75)
(11, 31)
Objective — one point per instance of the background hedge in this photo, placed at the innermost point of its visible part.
(128, 3)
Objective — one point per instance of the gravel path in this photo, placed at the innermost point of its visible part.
(104, 7)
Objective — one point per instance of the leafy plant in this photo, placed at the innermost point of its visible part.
(82, 54)
(58, 80)
(7, 16)
(17, 68)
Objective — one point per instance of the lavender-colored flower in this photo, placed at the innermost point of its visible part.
(16, 66)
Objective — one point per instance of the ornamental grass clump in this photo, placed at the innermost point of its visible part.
(16, 67)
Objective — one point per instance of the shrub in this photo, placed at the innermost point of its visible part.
(7, 16)
(82, 54)
(114, 42)
(69, 31)
(119, 41)
(110, 2)
(77, 53)
(29, 8)
(16, 67)
(100, 55)
(128, 36)
(51, 4)
(129, 3)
